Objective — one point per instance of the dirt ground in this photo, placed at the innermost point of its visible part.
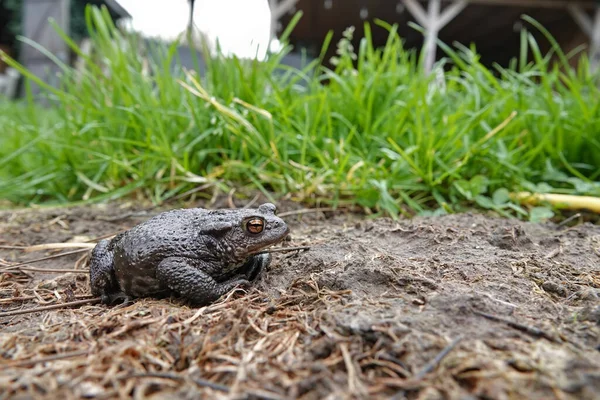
(456, 307)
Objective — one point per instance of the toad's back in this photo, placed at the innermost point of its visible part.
(176, 232)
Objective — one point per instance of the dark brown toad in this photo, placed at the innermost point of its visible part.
(197, 254)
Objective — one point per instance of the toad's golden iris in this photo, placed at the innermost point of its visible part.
(255, 225)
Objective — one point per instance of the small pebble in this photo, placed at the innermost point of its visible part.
(418, 302)
(520, 365)
(556, 288)
(591, 314)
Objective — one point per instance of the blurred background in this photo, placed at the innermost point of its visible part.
(247, 28)
(399, 106)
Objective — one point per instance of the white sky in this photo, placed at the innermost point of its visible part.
(240, 25)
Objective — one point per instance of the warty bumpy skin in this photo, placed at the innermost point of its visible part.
(197, 254)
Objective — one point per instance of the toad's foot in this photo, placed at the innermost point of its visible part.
(116, 298)
(255, 265)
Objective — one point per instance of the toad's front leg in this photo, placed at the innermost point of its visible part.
(187, 277)
(255, 265)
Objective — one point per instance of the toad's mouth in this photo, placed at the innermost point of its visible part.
(264, 248)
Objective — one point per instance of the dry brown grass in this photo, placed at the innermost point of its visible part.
(254, 344)
(432, 309)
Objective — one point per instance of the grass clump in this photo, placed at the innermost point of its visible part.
(374, 130)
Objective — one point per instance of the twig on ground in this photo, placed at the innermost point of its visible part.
(54, 357)
(566, 221)
(554, 253)
(54, 246)
(67, 253)
(20, 298)
(251, 202)
(305, 211)
(137, 324)
(354, 383)
(175, 377)
(98, 238)
(285, 249)
(54, 270)
(45, 246)
(264, 394)
(230, 201)
(94, 300)
(533, 331)
(405, 369)
(26, 298)
(489, 296)
(81, 261)
(126, 215)
(430, 366)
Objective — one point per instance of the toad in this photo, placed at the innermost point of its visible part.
(195, 253)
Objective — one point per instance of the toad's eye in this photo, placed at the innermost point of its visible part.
(255, 225)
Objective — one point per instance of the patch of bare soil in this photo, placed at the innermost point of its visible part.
(456, 307)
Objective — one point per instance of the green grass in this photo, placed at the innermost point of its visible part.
(374, 131)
